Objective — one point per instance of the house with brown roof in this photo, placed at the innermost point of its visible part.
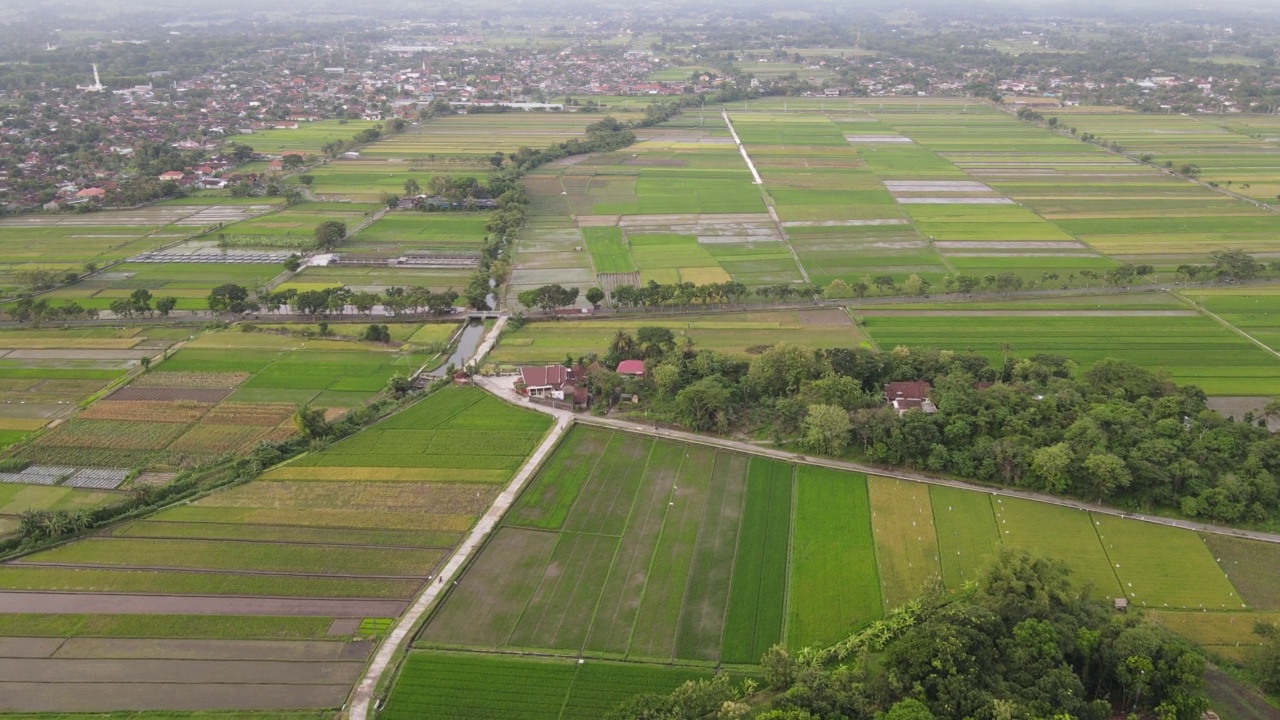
(555, 383)
(544, 380)
(912, 395)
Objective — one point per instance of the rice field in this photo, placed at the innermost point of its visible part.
(308, 137)
(540, 342)
(905, 539)
(452, 437)
(835, 584)
(1193, 349)
(460, 686)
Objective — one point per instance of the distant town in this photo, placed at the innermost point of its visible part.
(122, 133)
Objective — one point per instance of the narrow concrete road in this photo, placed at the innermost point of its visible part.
(489, 341)
(503, 388)
(362, 696)
(742, 148)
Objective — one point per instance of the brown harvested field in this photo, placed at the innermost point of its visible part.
(54, 343)
(91, 697)
(443, 522)
(159, 649)
(440, 498)
(206, 437)
(111, 434)
(409, 475)
(344, 626)
(179, 671)
(185, 411)
(29, 647)
(283, 431)
(52, 603)
(168, 394)
(234, 413)
(98, 355)
(207, 380)
(1236, 407)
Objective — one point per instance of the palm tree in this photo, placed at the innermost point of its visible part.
(81, 520)
(57, 524)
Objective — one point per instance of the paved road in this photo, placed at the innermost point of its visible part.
(503, 388)
(400, 634)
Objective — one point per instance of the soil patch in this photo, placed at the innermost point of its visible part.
(344, 626)
(32, 647)
(163, 649)
(179, 671)
(1236, 407)
(88, 697)
(121, 604)
(200, 395)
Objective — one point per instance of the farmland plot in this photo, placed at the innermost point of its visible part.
(906, 544)
(755, 614)
(966, 530)
(835, 587)
(1062, 533)
(1165, 567)
(440, 686)
(1195, 350)
(271, 559)
(641, 565)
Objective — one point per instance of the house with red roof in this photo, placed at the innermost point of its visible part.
(632, 368)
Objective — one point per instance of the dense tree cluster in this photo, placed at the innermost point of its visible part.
(1020, 644)
(1227, 265)
(1114, 432)
(654, 293)
(329, 233)
(548, 297)
(237, 300)
(141, 302)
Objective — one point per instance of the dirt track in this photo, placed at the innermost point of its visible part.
(51, 603)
